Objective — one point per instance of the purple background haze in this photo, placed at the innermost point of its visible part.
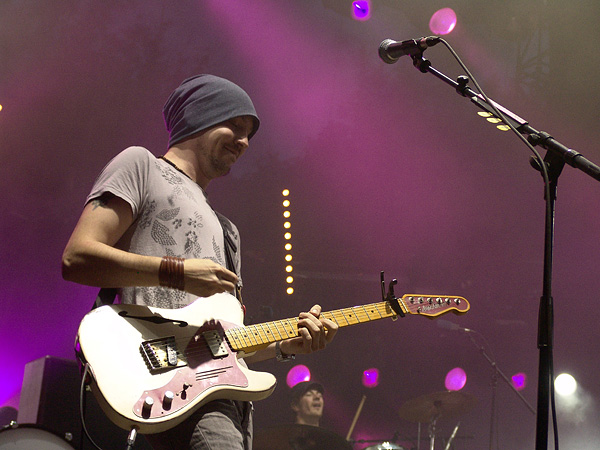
(389, 170)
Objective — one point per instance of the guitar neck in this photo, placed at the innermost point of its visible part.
(256, 337)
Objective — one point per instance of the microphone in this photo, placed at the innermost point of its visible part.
(390, 51)
(447, 325)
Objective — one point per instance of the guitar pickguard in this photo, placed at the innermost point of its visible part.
(209, 364)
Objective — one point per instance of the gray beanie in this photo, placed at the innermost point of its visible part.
(203, 101)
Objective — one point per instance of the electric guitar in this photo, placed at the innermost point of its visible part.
(152, 368)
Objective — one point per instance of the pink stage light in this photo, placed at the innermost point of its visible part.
(370, 378)
(442, 21)
(297, 374)
(455, 379)
(519, 381)
(361, 10)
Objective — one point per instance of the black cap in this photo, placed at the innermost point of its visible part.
(203, 101)
(303, 387)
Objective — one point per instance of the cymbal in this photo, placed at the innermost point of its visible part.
(298, 437)
(429, 407)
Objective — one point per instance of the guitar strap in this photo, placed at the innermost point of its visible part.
(106, 296)
(230, 250)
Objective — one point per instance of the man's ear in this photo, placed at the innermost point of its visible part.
(294, 407)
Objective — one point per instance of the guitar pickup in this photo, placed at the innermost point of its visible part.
(216, 343)
(161, 353)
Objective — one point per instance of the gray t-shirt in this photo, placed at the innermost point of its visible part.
(172, 217)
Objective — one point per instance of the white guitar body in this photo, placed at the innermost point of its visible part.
(151, 373)
(152, 368)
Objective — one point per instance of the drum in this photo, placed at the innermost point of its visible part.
(31, 437)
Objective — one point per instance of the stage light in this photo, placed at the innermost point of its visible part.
(565, 384)
(361, 10)
(455, 379)
(442, 21)
(370, 378)
(287, 224)
(519, 381)
(297, 374)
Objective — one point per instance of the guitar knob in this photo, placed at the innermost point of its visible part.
(147, 406)
(168, 400)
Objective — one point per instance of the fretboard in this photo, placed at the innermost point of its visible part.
(255, 337)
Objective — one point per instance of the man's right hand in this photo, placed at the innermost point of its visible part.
(204, 277)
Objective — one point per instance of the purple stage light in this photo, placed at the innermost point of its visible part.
(361, 10)
(455, 379)
(370, 378)
(519, 381)
(297, 374)
(442, 21)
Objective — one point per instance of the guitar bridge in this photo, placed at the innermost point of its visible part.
(160, 354)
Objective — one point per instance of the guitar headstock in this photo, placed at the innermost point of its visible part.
(433, 305)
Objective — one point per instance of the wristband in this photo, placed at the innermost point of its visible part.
(170, 273)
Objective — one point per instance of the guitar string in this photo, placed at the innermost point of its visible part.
(250, 336)
(246, 338)
(346, 314)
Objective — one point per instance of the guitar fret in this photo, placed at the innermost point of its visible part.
(248, 332)
(281, 330)
(255, 331)
(340, 313)
(237, 337)
(271, 326)
(268, 336)
(374, 314)
(291, 330)
(350, 316)
(367, 316)
(330, 315)
(243, 336)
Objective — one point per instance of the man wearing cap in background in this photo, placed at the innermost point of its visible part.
(307, 403)
(148, 230)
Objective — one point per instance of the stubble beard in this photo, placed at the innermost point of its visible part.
(219, 167)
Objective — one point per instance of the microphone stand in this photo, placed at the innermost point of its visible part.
(497, 372)
(554, 160)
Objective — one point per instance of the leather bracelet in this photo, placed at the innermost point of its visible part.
(280, 356)
(171, 273)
